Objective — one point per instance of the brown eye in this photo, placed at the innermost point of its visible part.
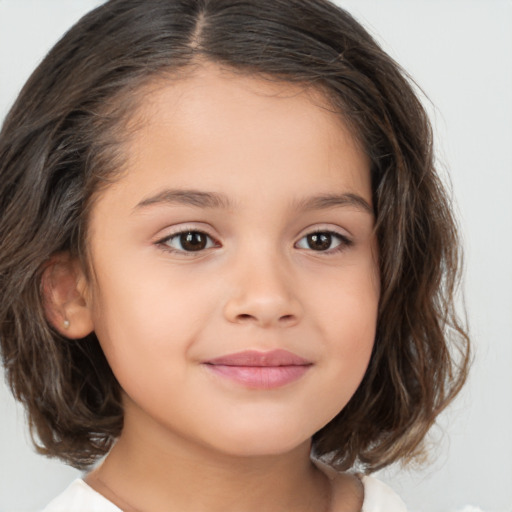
(189, 241)
(319, 241)
(193, 241)
(323, 241)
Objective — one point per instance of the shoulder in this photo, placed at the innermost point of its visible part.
(79, 497)
(378, 497)
(349, 491)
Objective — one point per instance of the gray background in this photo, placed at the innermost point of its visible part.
(460, 52)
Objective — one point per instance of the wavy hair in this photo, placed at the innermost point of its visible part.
(62, 140)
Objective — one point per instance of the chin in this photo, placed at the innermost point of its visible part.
(262, 443)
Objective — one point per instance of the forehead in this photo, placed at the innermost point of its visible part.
(214, 122)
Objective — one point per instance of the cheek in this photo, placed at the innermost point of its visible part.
(349, 303)
(347, 314)
(148, 314)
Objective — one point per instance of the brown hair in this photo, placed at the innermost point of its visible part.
(60, 142)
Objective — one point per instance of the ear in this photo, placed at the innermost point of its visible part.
(64, 291)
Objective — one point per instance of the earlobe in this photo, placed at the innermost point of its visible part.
(64, 296)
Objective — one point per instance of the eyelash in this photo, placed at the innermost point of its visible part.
(164, 242)
(343, 241)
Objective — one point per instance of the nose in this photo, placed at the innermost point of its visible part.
(263, 294)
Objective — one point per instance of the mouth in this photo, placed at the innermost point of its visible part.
(260, 370)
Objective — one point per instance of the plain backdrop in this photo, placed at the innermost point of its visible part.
(460, 52)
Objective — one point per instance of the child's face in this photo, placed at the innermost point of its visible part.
(250, 168)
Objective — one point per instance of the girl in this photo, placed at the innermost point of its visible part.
(227, 263)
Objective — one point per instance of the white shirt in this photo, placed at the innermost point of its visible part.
(79, 497)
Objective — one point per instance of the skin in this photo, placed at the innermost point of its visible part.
(270, 150)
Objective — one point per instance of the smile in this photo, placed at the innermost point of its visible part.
(260, 370)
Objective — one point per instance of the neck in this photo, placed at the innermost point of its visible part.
(149, 469)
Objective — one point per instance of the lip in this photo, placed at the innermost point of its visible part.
(260, 370)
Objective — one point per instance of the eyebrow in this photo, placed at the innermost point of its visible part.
(187, 197)
(325, 201)
(212, 200)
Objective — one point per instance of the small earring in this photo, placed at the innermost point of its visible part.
(66, 324)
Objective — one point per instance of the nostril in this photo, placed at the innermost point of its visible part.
(244, 317)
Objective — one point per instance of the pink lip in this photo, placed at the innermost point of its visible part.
(260, 370)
